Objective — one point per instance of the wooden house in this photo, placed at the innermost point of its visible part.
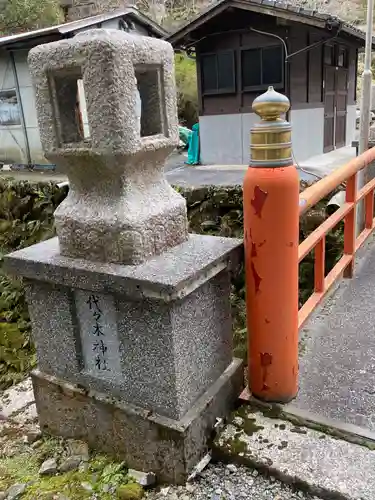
(243, 46)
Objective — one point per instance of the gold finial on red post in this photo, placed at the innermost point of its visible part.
(271, 219)
(271, 144)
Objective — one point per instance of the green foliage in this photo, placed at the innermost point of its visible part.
(100, 478)
(26, 217)
(187, 93)
(17, 16)
(170, 14)
(113, 474)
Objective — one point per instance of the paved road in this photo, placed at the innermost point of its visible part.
(337, 369)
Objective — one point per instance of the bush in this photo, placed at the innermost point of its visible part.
(187, 91)
(18, 15)
(26, 217)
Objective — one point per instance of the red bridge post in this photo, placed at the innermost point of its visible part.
(271, 226)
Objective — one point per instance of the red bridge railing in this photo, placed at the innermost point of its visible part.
(347, 212)
(272, 209)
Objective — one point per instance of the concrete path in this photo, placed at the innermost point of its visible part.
(312, 460)
(322, 165)
(337, 365)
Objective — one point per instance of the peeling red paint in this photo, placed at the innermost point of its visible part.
(267, 321)
(258, 201)
(265, 362)
(253, 249)
(261, 244)
(257, 278)
(265, 358)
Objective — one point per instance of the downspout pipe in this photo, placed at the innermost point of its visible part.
(23, 122)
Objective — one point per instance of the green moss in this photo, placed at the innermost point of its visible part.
(237, 446)
(250, 426)
(70, 484)
(272, 411)
(98, 476)
(298, 430)
(20, 468)
(130, 492)
(244, 412)
(283, 445)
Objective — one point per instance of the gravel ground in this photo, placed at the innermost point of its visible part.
(229, 482)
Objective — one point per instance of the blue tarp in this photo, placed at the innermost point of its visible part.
(194, 150)
(185, 135)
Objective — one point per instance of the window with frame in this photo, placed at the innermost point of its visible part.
(336, 55)
(261, 67)
(9, 109)
(218, 73)
(342, 57)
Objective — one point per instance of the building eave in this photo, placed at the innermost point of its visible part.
(270, 8)
(65, 29)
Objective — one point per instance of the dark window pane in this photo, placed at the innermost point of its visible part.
(225, 71)
(209, 73)
(251, 68)
(272, 60)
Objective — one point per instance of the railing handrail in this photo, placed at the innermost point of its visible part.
(314, 193)
(347, 212)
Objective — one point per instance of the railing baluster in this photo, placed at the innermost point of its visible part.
(349, 229)
(319, 265)
(369, 209)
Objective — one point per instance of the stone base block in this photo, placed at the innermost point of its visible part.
(156, 335)
(144, 440)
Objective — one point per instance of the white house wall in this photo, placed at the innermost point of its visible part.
(29, 107)
(351, 119)
(225, 139)
(307, 132)
(248, 121)
(12, 140)
(221, 139)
